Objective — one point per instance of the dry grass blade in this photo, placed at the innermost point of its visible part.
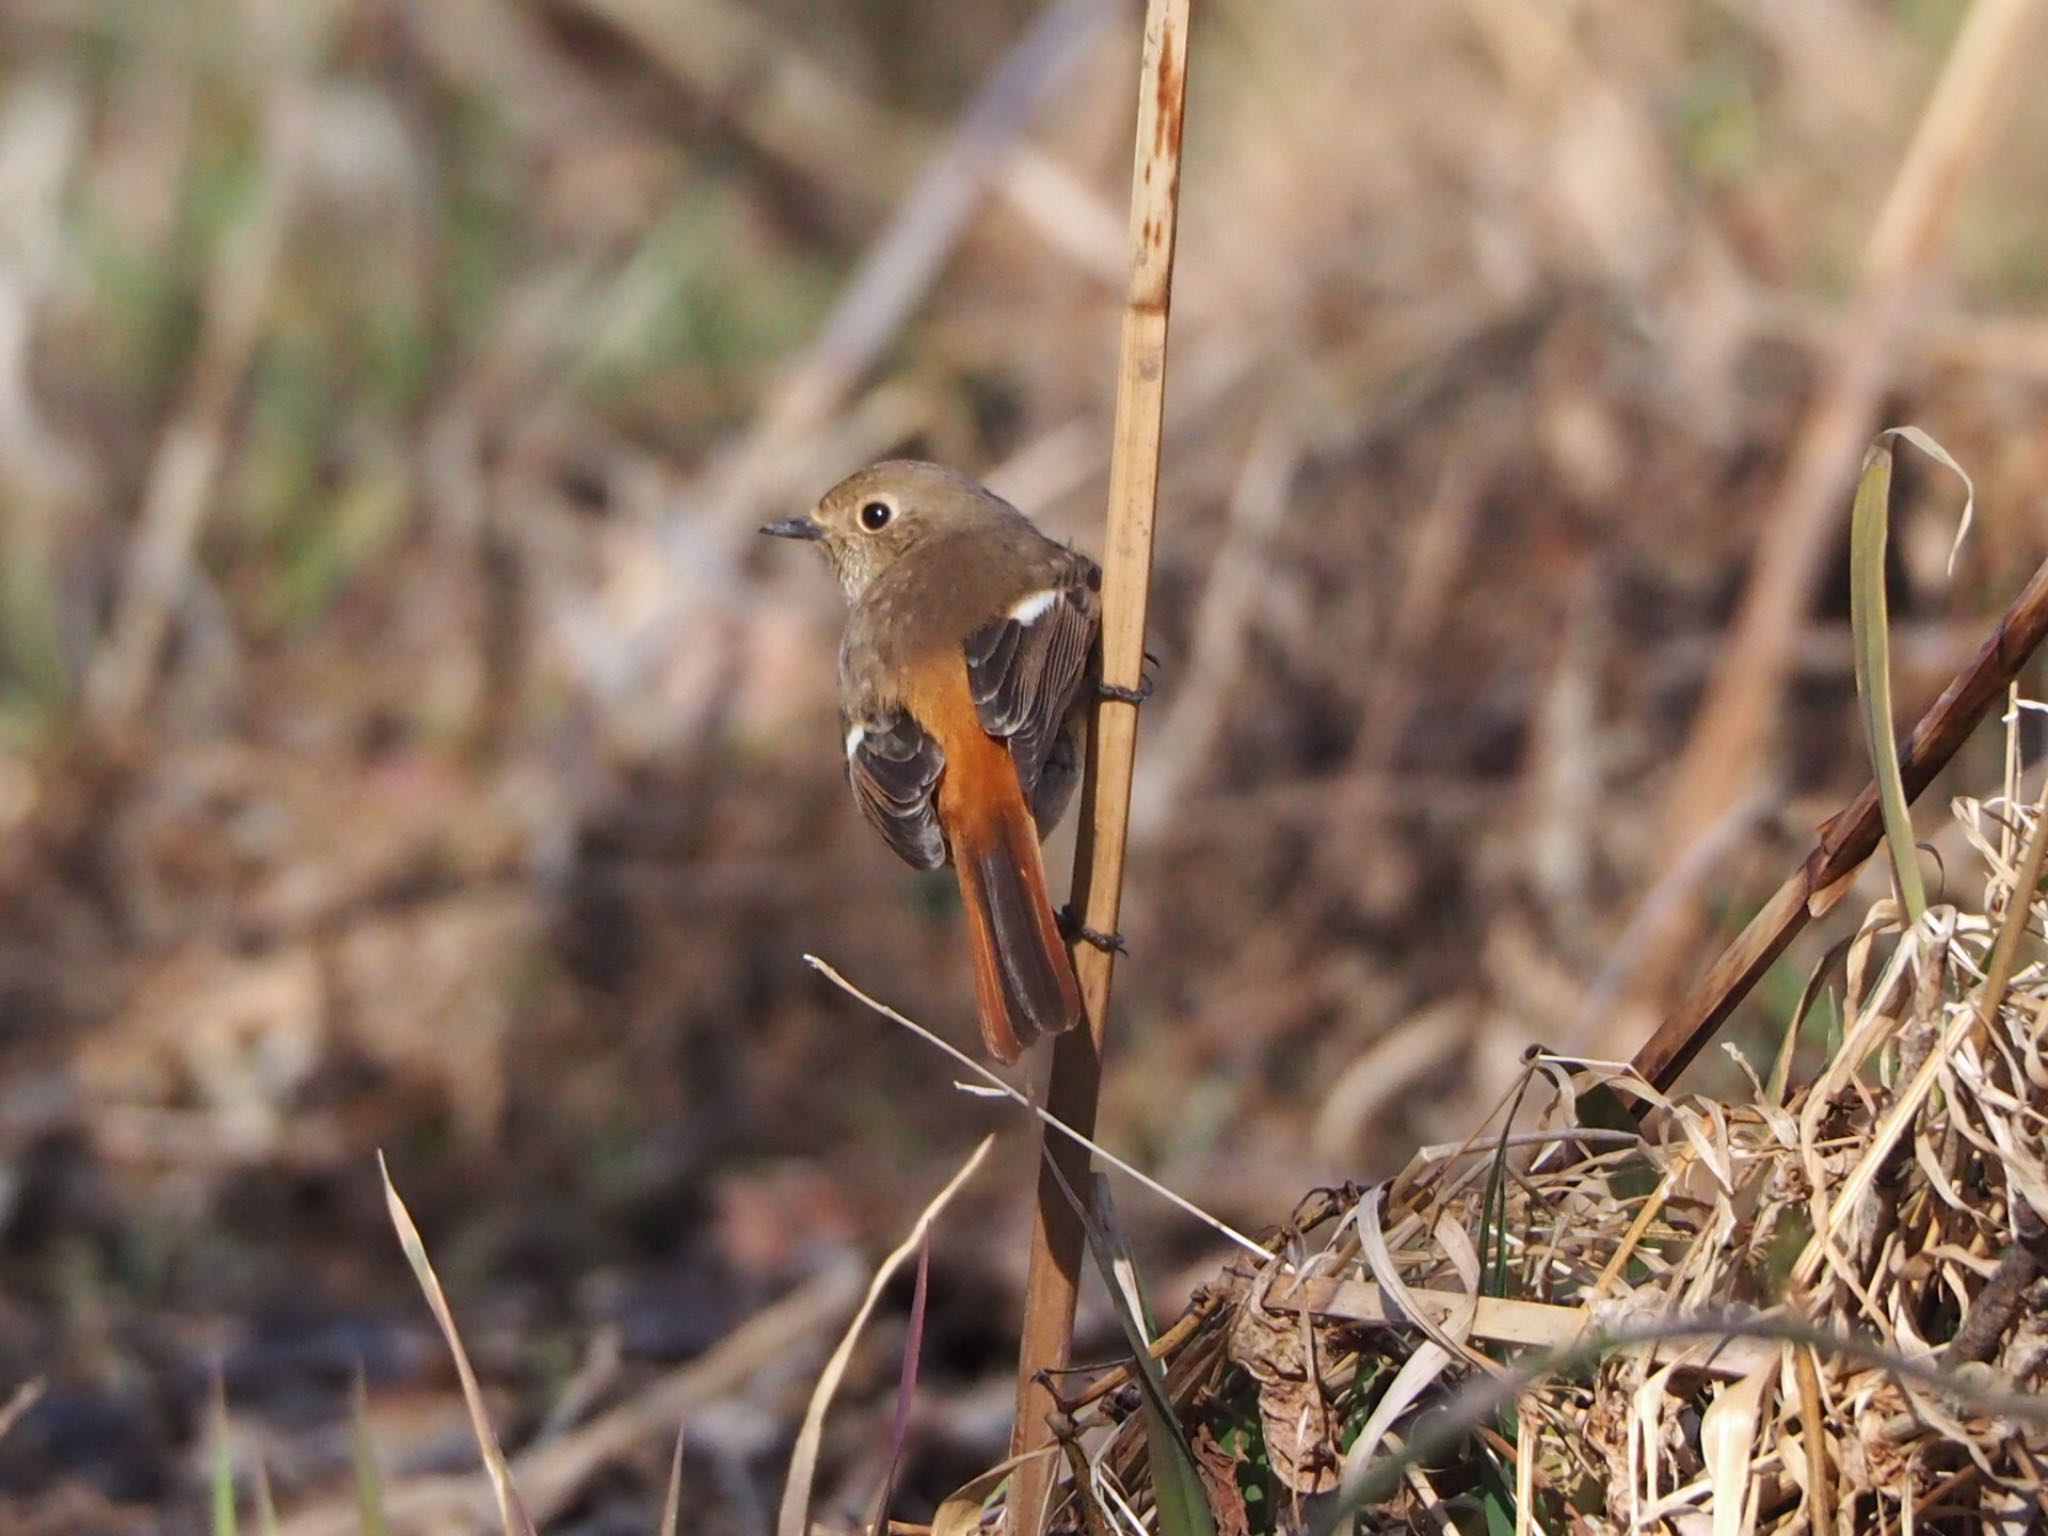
(794, 1518)
(959, 1513)
(1818, 1491)
(1933, 449)
(1179, 1201)
(1075, 1085)
(1982, 1011)
(1727, 1432)
(512, 1513)
(1888, 1382)
(672, 1503)
(1417, 1374)
(1434, 1441)
(906, 1384)
(19, 1402)
(552, 1473)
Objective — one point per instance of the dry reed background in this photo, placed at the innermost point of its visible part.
(403, 744)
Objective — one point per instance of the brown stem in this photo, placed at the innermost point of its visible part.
(1057, 1241)
(1846, 839)
(1998, 1304)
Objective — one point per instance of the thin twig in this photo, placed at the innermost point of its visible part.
(1998, 1305)
(1074, 1087)
(997, 1086)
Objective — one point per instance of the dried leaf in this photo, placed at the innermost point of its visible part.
(1728, 1441)
(1299, 1427)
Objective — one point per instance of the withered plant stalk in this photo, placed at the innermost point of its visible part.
(1057, 1239)
(1846, 839)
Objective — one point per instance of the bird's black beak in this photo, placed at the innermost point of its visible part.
(794, 528)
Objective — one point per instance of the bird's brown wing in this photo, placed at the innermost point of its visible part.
(1025, 669)
(894, 766)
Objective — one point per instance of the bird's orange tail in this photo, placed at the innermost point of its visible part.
(1022, 979)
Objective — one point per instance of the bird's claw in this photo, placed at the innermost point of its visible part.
(1073, 928)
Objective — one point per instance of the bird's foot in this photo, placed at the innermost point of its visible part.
(1072, 927)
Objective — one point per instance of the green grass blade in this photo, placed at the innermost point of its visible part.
(1493, 1205)
(223, 1477)
(1869, 529)
(1869, 624)
(369, 1476)
(266, 1506)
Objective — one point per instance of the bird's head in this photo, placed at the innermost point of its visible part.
(872, 518)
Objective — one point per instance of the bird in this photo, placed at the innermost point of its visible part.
(968, 658)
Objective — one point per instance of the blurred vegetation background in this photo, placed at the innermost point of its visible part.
(404, 742)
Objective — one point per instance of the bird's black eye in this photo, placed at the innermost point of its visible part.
(875, 515)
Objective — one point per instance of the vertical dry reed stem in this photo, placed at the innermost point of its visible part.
(1057, 1240)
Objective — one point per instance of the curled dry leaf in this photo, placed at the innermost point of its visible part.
(1300, 1427)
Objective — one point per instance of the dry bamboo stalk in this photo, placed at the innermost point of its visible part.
(1075, 1084)
(1846, 839)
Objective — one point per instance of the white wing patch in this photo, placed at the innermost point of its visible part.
(1034, 606)
(855, 735)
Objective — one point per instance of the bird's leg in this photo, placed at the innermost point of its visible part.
(1071, 927)
(1137, 695)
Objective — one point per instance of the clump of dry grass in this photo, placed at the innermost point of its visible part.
(1819, 1307)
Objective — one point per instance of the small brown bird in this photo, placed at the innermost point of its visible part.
(968, 647)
